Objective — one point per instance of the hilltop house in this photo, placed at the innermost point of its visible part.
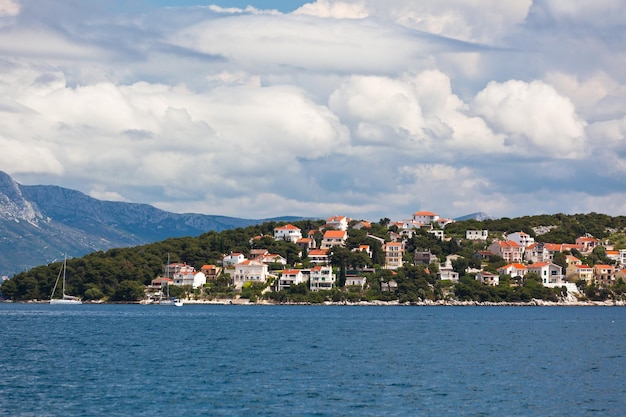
(425, 217)
(338, 222)
(288, 232)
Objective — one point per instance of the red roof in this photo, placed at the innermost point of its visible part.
(287, 227)
(335, 234)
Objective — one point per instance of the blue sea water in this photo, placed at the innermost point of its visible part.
(131, 360)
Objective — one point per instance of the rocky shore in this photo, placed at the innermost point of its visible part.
(534, 302)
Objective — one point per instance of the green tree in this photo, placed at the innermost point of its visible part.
(128, 291)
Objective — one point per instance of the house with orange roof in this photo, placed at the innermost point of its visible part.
(363, 224)
(394, 251)
(272, 258)
(249, 271)
(318, 256)
(210, 271)
(425, 217)
(605, 275)
(338, 222)
(289, 277)
(513, 270)
(508, 250)
(551, 274)
(288, 232)
(307, 243)
(587, 243)
(322, 278)
(334, 238)
(613, 255)
(364, 248)
(572, 260)
(578, 272)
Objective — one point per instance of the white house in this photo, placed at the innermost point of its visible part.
(521, 238)
(437, 232)
(488, 278)
(514, 270)
(338, 222)
(334, 238)
(476, 234)
(321, 278)
(287, 232)
(354, 281)
(425, 217)
(247, 270)
(318, 256)
(548, 272)
(233, 258)
(290, 277)
(191, 278)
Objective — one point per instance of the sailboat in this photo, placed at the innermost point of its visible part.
(65, 299)
(168, 301)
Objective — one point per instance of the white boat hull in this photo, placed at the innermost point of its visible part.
(66, 302)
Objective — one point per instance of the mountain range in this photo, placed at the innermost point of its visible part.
(41, 223)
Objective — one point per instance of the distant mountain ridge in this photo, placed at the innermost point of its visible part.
(38, 223)
(480, 216)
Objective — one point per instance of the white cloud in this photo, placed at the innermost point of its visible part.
(475, 20)
(359, 107)
(534, 116)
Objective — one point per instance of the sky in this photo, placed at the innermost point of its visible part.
(361, 108)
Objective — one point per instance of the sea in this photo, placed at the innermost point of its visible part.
(249, 360)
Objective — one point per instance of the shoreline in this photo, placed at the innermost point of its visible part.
(427, 303)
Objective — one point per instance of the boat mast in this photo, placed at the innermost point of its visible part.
(64, 267)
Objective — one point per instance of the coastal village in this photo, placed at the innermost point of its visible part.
(519, 253)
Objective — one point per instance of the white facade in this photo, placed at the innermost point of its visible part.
(288, 232)
(548, 272)
(193, 279)
(233, 259)
(338, 222)
(521, 238)
(488, 278)
(321, 278)
(249, 271)
(290, 277)
(425, 217)
(476, 234)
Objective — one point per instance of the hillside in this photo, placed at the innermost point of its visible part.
(39, 223)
